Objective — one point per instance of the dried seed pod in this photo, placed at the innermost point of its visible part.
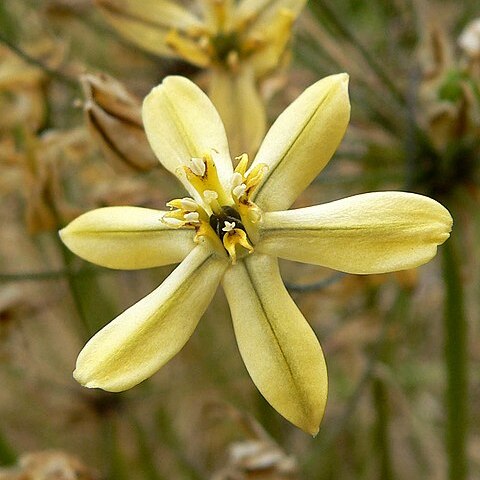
(113, 115)
(469, 40)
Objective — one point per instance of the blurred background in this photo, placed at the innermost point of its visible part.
(403, 350)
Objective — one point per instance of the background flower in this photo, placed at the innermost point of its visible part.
(238, 43)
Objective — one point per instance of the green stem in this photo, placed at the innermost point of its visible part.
(73, 285)
(7, 455)
(8, 24)
(150, 470)
(92, 298)
(382, 436)
(455, 325)
(381, 399)
(169, 437)
(117, 468)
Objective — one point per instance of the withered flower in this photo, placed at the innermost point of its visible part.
(114, 118)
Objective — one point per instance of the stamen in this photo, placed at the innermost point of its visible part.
(192, 217)
(237, 179)
(242, 163)
(233, 59)
(172, 222)
(204, 42)
(210, 196)
(197, 166)
(239, 190)
(256, 174)
(254, 214)
(189, 204)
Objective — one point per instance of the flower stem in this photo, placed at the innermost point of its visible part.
(382, 436)
(115, 460)
(168, 436)
(73, 287)
(455, 325)
(7, 455)
(145, 451)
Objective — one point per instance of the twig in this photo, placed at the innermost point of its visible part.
(50, 275)
(57, 75)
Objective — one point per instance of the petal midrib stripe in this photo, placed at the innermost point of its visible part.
(174, 297)
(295, 230)
(264, 311)
(135, 232)
(275, 170)
(180, 127)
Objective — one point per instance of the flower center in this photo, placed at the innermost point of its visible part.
(224, 45)
(226, 221)
(223, 215)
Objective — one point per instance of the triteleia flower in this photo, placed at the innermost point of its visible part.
(237, 42)
(231, 229)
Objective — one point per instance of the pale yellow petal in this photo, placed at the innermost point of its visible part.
(127, 238)
(236, 96)
(181, 122)
(275, 36)
(369, 233)
(218, 15)
(302, 141)
(146, 23)
(142, 339)
(259, 13)
(280, 350)
(268, 23)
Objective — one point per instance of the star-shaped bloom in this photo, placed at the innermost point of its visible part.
(237, 42)
(230, 230)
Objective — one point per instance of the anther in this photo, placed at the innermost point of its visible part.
(189, 204)
(172, 222)
(191, 217)
(237, 179)
(197, 166)
(239, 190)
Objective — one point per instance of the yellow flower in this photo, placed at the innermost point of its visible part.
(231, 230)
(238, 42)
